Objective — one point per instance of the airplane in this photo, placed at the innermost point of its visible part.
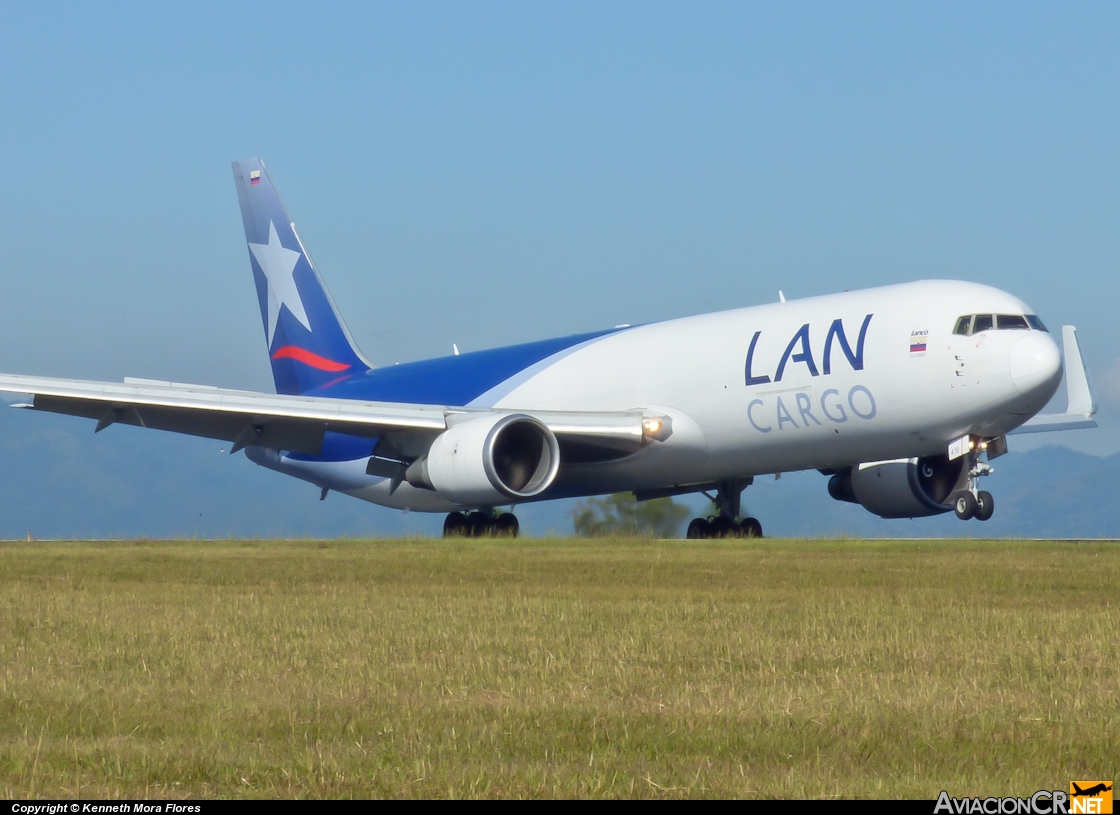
(1099, 788)
(900, 395)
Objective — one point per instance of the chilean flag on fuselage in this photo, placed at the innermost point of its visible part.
(307, 341)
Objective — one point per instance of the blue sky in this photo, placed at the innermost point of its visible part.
(491, 173)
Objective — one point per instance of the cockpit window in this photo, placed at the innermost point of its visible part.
(975, 323)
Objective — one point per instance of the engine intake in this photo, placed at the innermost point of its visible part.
(905, 488)
(489, 459)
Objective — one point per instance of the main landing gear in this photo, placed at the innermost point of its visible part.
(481, 524)
(725, 525)
(971, 502)
(721, 527)
(979, 506)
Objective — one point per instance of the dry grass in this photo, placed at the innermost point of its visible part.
(556, 668)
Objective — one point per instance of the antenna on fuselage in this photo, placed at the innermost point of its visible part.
(781, 297)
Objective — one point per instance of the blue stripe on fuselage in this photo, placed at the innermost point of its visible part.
(340, 447)
(454, 381)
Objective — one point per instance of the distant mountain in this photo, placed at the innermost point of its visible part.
(59, 480)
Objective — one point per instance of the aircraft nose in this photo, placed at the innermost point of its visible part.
(1035, 363)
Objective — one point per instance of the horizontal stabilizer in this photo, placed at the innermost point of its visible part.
(1081, 405)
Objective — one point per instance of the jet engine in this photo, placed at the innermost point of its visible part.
(488, 460)
(905, 488)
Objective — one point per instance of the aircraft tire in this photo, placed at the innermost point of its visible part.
(455, 525)
(479, 525)
(965, 506)
(750, 528)
(723, 528)
(506, 526)
(986, 505)
(698, 529)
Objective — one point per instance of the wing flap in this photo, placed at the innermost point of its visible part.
(295, 423)
(292, 422)
(297, 435)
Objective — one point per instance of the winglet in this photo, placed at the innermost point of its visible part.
(1082, 402)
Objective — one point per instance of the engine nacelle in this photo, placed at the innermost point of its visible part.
(488, 460)
(905, 488)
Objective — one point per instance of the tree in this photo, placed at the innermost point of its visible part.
(622, 514)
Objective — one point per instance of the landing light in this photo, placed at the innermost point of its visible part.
(658, 428)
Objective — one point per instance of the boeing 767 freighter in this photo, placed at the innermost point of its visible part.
(899, 395)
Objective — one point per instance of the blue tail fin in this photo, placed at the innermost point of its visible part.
(307, 341)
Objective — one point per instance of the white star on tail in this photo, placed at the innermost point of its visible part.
(278, 264)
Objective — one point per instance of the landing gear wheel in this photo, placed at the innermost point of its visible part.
(986, 505)
(480, 525)
(722, 527)
(965, 506)
(506, 526)
(455, 525)
(750, 528)
(699, 529)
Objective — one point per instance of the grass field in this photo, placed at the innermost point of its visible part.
(557, 668)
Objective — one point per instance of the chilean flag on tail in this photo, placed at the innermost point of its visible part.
(308, 343)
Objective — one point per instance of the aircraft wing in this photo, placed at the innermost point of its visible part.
(282, 422)
(1082, 403)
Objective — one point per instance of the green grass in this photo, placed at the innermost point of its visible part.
(557, 668)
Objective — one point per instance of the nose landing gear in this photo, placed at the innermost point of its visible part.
(980, 505)
(481, 524)
(724, 525)
(971, 502)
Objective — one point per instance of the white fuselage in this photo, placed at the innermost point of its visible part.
(738, 412)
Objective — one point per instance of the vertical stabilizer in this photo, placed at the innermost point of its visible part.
(308, 343)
